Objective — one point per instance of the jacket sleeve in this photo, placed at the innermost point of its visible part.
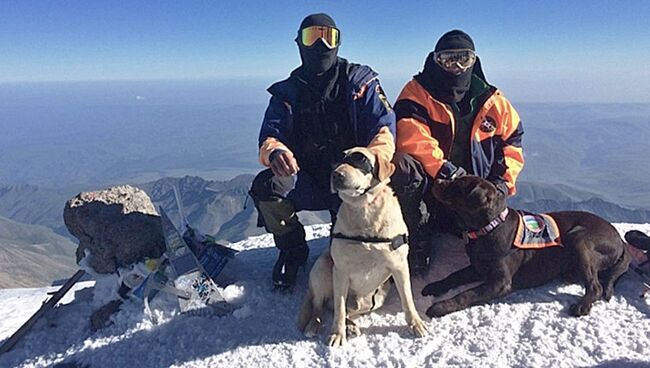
(513, 155)
(414, 136)
(275, 129)
(376, 123)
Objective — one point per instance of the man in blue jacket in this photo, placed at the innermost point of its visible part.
(327, 105)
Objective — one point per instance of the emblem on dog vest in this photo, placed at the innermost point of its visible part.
(488, 125)
(534, 223)
(536, 231)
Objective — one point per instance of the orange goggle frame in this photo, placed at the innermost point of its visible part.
(455, 60)
(330, 36)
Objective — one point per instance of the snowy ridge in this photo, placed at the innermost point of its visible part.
(528, 328)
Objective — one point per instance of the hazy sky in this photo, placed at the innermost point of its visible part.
(536, 51)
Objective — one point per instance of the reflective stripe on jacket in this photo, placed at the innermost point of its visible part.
(426, 126)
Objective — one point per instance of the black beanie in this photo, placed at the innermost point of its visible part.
(455, 39)
(319, 19)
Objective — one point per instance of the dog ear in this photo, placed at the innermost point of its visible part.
(385, 168)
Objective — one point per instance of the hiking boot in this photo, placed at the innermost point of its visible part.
(287, 266)
(419, 260)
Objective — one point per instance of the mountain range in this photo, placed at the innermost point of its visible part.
(33, 255)
(219, 208)
(36, 248)
(600, 148)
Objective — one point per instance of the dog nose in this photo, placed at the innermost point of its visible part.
(337, 177)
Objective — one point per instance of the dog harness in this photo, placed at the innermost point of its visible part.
(536, 231)
(395, 242)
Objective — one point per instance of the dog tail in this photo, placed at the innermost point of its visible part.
(307, 311)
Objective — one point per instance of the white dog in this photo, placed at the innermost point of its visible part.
(368, 247)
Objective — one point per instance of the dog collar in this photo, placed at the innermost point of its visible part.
(395, 242)
(473, 235)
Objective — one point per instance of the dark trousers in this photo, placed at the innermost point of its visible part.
(278, 200)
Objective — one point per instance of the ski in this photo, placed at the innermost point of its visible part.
(195, 261)
(48, 305)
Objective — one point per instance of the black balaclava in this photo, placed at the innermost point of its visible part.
(317, 59)
(441, 84)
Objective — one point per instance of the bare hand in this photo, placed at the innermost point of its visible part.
(284, 164)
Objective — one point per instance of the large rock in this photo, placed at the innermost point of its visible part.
(118, 226)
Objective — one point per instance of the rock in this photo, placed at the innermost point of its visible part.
(119, 226)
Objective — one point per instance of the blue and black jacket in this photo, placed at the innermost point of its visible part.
(370, 117)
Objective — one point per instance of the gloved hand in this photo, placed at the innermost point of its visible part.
(450, 171)
(457, 173)
(283, 163)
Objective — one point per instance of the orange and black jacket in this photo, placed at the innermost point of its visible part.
(426, 126)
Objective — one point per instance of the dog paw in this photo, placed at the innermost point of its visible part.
(440, 309)
(419, 328)
(580, 309)
(608, 293)
(434, 289)
(313, 328)
(351, 328)
(337, 339)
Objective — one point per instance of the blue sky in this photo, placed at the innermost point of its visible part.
(536, 51)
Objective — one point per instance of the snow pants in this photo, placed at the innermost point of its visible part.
(279, 199)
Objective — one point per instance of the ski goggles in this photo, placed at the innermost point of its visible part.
(455, 61)
(330, 36)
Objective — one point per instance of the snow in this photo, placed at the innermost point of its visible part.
(527, 328)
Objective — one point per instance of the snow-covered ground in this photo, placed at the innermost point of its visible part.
(529, 328)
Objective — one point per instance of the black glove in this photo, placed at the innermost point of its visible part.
(274, 154)
(449, 171)
(458, 173)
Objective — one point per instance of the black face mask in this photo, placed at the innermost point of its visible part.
(318, 58)
(443, 85)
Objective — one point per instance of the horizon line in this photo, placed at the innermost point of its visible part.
(265, 79)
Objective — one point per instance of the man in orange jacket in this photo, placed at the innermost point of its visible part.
(450, 122)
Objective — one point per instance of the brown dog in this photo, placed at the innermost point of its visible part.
(591, 251)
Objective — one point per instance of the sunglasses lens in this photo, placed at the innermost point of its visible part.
(358, 160)
(330, 35)
(454, 60)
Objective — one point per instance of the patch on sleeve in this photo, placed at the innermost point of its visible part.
(382, 97)
(488, 125)
(536, 231)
